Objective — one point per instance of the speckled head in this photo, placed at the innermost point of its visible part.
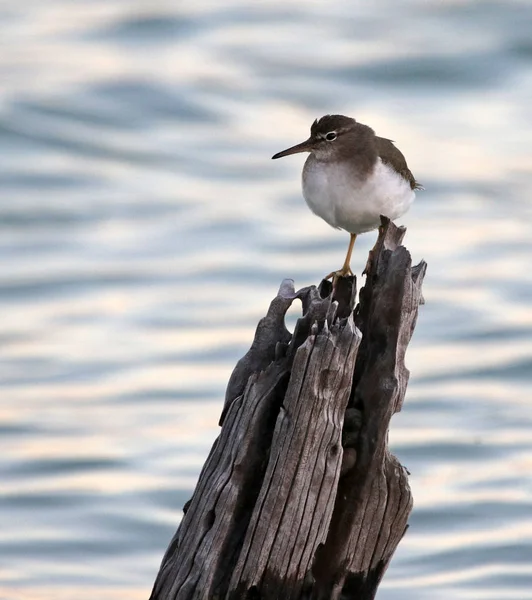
(332, 138)
(331, 123)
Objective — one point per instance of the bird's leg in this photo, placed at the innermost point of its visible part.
(345, 271)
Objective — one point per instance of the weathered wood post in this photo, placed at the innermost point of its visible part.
(300, 497)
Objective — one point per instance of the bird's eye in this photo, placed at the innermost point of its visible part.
(331, 136)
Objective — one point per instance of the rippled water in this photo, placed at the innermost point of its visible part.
(144, 229)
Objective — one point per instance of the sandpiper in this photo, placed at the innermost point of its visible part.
(352, 177)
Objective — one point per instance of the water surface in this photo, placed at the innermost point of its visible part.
(144, 230)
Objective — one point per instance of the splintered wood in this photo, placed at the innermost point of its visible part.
(300, 497)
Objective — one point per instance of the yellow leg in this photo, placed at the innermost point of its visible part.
(345, 271)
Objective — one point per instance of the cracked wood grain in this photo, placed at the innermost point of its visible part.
(300, 496)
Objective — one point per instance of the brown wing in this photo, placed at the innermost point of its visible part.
(390, 155)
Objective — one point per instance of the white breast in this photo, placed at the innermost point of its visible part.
(342, 199)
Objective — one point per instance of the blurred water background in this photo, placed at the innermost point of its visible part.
(144, 230)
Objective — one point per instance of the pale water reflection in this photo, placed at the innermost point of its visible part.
(144, 230)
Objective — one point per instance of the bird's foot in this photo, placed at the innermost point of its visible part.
(345, 271)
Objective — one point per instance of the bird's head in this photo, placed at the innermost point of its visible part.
(327, 137)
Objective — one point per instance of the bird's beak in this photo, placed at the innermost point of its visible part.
(305, 146)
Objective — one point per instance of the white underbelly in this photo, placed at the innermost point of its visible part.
(344, 201)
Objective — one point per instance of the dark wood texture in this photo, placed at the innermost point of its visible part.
(300, 497)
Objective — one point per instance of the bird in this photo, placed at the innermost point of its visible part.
(352, 177)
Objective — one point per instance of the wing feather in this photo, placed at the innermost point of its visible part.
(391, 155)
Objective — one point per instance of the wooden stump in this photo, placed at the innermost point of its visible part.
(299, 496)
